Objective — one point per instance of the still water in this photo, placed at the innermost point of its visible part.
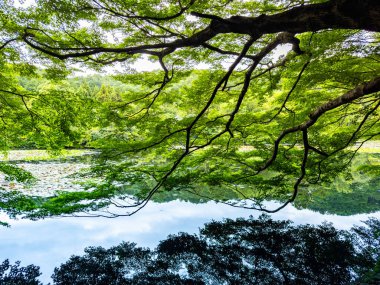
(50, 242)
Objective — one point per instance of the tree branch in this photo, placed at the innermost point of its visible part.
(334, 14)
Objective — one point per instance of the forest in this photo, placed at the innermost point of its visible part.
(239, 102)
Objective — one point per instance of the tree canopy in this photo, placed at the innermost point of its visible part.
(241, 251)
(289, 95)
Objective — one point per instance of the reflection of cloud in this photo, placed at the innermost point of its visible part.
(308, 216)
(50, 242)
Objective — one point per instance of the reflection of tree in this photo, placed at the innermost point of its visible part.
(266, 252)
(16, 275)
(250, 251)
(356, 192)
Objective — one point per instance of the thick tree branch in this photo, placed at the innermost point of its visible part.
(356, 93)
(334, 14)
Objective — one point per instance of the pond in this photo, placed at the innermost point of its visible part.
(50, 242)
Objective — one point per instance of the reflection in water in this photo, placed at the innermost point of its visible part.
(241, 251)
(48, 243)
(357, 191)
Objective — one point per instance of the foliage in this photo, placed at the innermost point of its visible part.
(15, 173)
(18, 275)
(257, 123)
(357, 192)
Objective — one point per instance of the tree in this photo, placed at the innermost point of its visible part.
(238, 251)
(261, 251)
(265, 126)
(17, 275)
(241, 251)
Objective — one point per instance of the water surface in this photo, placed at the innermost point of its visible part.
(50, 242)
